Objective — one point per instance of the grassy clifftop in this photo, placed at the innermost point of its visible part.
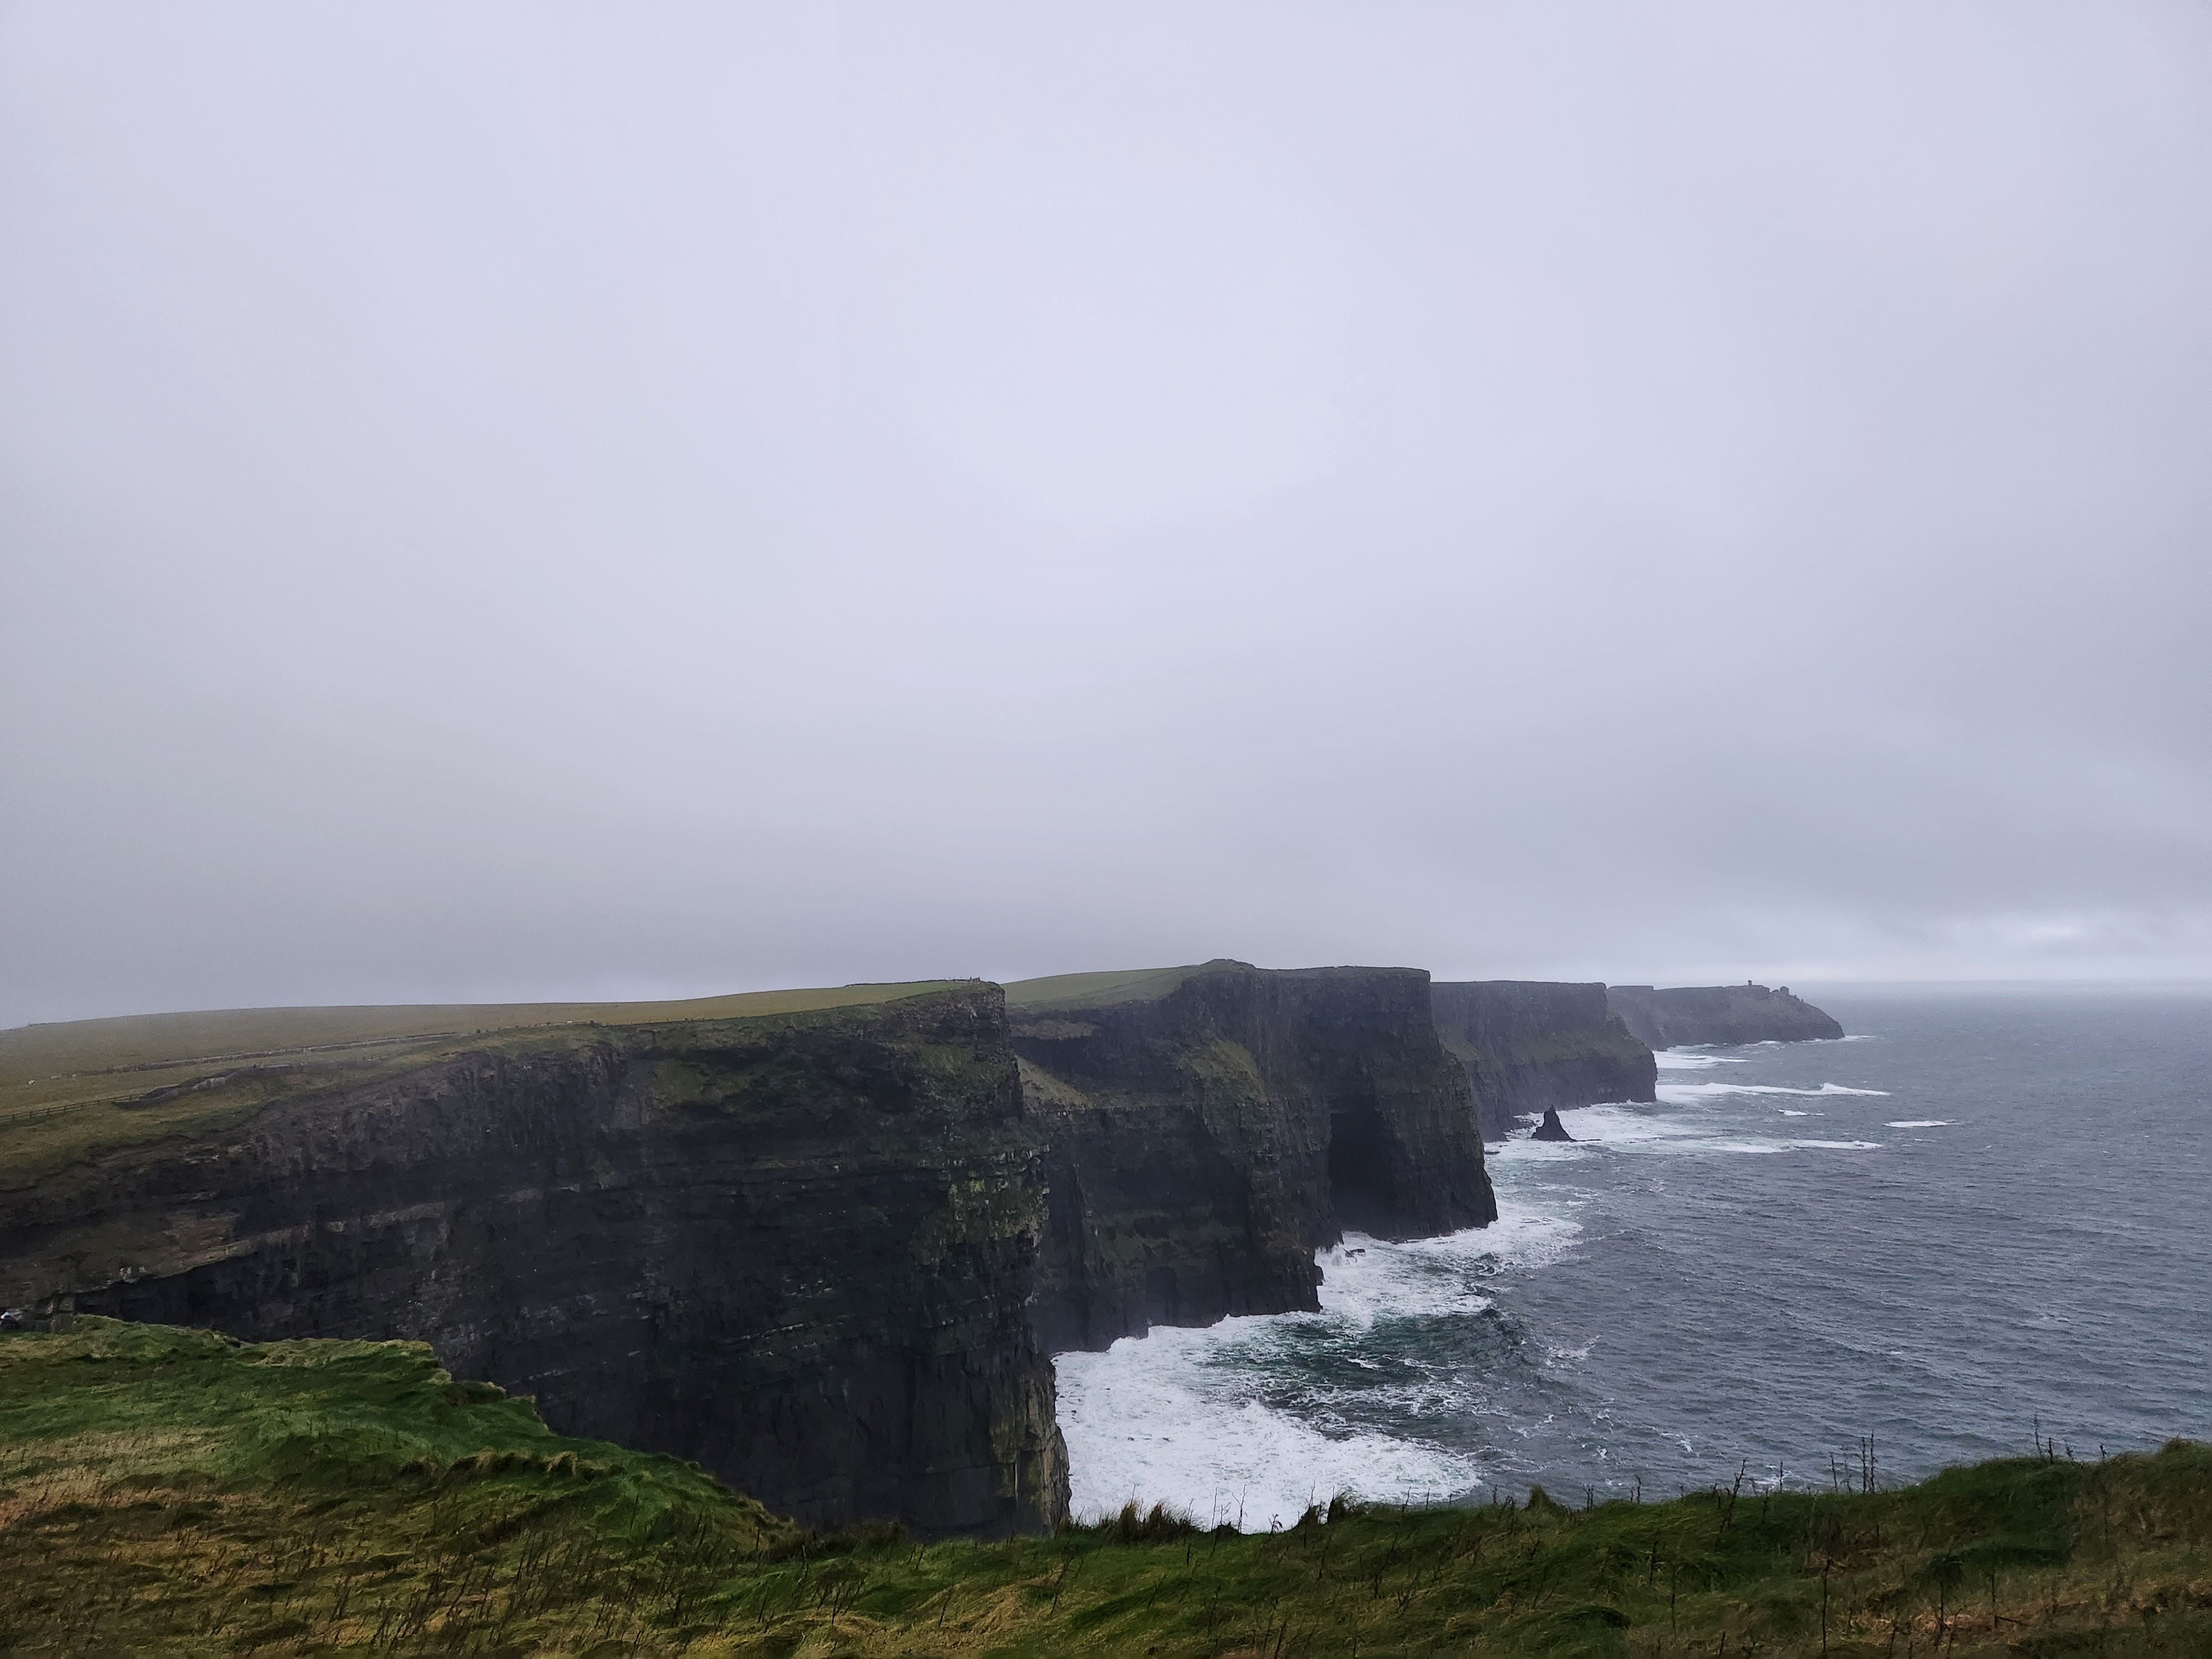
(79, 1087)
(170, 1492)
(173, 1491)
(1108, 989)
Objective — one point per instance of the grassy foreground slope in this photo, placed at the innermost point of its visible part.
(165, 1491)
(75, 1088)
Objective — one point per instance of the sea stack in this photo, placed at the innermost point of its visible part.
(1550, 1128)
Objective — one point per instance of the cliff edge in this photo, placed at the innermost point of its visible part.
(1209, 1127)
(1718, 1013)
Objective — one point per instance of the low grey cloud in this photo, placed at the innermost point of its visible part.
(543, 501)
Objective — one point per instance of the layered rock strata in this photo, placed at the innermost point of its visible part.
(1692, 1014)
(1208, 1128)
(1531, 1046)
(797, 1249)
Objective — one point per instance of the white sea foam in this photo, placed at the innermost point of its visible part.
(1364, 1280)
(1786, 1112)
(1918, 1123)
(1520, 1148)
(1628, 1126)
(1642, 1130)
(1757, 1148)
(1174, 1417)
(1691, 1060)
(1144, 1424)
(1687, 1094)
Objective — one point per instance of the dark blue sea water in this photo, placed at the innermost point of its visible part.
(1985, 1214)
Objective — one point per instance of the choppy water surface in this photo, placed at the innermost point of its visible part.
(1982, 1209)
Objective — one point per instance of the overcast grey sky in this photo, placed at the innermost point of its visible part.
(540, 500)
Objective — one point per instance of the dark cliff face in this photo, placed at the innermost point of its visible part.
(1718, 1013)
(1208, 1129)
(1531, 1046)
(797, 1249)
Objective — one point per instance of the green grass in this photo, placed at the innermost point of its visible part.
(1104, 990)
(171, 1491)
(76, 1089)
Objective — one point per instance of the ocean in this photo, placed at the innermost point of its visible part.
(1982, 1218)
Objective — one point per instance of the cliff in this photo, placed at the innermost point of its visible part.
(795, 1246)
(1692, 1014)
(1208, 1128)
(1530, 1046)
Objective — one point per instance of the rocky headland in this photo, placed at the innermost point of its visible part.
(1208, 1129)
(1692, 1014)
(1529, 1046)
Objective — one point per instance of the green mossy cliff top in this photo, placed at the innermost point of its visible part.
(174, 1490)
(138, 1040)
(1109, 989)
(1120, 988)
(76, 1088)
(171, 1491)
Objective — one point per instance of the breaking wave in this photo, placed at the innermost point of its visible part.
(1716, 1275)
(1682, 1094)
(1249, 1420)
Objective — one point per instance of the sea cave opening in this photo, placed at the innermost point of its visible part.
(1361, 1189)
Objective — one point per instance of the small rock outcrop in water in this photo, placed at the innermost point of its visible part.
(797, 1249)
(1529, 1044)
(1718, 1013)
(1208, 1129)
(1550, 1128)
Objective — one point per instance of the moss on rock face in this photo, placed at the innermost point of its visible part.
(796, 1246)
(172, 1492)
(1209, 1127)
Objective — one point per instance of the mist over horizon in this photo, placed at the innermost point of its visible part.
(544, 504)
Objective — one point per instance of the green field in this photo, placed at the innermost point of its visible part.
(1104, 990)
(73, 1089)
(172, 1491)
